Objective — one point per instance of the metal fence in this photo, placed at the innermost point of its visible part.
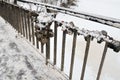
(25, 22)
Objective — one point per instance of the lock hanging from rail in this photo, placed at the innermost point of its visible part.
(68, 27)
(115, 45)
(102, 34)
(43, 34)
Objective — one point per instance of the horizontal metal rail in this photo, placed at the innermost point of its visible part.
(25, 23)
(87, 16)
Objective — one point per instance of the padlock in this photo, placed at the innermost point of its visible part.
(44, 34)
(104, 33)
(99, 40)
(86, 37)
(51, 34)
(69, 31)
(115, 45)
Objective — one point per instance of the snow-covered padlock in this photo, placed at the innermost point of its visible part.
(102, 35)
(44, 34)
(86, 37)
(99, 40)
(68, 27)
(115, 45)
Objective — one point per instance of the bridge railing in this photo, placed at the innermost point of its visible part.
(40, 33)
(113, 22)
(22, 20)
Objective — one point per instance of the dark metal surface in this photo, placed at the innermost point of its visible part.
(63, 50)
(73, 55)
(29, 26)
(102, 61)
(55, 42)
(85, 58)
(91, 17)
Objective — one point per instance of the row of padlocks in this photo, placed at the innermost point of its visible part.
(43, 31)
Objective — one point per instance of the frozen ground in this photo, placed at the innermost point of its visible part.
(19, 61)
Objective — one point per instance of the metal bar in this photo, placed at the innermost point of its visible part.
(29, 27)
(15, 18)
(20, 26)
(25, 17)
(37, 43)
(102, 61)
(15, 1)
(17, 23)
(47, 51)
(48, 44)
(7, 16)
(87, 16)
(18, 20)
(55, 42)
(23, 22)
(9, 13)
(42, 48)
(73, 55)
(63, 50)
(33, 36)
(85, 58)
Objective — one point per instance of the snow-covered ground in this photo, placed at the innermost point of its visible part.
(19, 60)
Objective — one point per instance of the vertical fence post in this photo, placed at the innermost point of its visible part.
(14, 17)
(48, 44)
(26, 28)
(63, 50)
(55, 42)
(73, 54)
(33, 31)
(19, 20)
(15, 1)
(23, 22)
(85, 58)
(29, 27)
(102, 61)
(42, 48)
(47, 51)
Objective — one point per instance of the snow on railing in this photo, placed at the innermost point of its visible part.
(101, 36)
(70, 28)
(37, 28)
(84, 15)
